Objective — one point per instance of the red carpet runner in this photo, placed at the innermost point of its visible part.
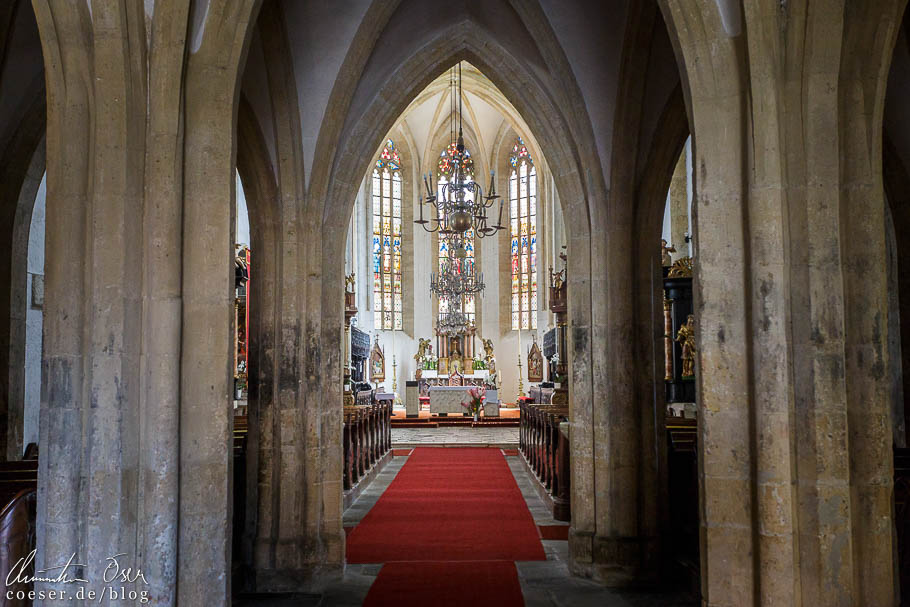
(447, 509)
(463, 583)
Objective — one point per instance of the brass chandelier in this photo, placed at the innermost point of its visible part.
(456, 275)
(451, 285)
(453, 322)
(459, 204)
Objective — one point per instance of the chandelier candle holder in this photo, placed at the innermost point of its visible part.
(453, 284)
(459, 204)
(453, 323)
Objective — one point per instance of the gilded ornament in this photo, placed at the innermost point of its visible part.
(682, 268)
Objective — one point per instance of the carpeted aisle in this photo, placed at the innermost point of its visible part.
(448, 583)
(452, 523)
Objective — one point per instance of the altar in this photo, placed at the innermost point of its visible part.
(430, 379)
(448, 399)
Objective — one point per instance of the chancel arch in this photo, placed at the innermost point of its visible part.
(372, 126)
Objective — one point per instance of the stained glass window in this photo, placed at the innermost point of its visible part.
(448, 160)
(386, 194)
(523, 232)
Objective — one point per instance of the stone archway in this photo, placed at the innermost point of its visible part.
(782, 126)
(408, 79)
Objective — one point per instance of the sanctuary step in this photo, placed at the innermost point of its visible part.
(451, 421)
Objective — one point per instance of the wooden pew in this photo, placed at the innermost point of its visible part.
(366, 437)
(240, 434)
(18, 496)
(546, 452)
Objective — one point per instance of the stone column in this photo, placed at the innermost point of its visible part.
(206, 412)
(89, 461)
(794, 429)
(133, 306)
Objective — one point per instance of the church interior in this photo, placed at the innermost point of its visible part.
(491, 302)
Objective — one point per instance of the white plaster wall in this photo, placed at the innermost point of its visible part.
(243, 218)
(34, 320)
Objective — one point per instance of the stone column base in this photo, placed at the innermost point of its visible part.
(617, 562)
(311, 578)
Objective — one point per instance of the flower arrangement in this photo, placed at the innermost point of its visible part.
(476, 394)
(479, 363)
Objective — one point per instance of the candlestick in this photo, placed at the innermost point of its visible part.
(394, 375)
(420, 206)
(521, 387)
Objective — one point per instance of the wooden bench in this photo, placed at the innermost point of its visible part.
(546, 450)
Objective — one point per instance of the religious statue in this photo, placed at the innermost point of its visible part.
(241, 269)
(686, 336)
(494, 379)
(423, 345)
(349, 283)
(665, 250)
(557, 279)
(487, 349)
(455, 359)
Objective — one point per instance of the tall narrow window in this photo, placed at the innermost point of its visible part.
(445, 170)
(523, 230)
(386, 193)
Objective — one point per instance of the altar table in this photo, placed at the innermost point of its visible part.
(448, 399)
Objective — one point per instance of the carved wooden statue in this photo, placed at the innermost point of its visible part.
(686, 336)
(487, 349)
(423, 345)
(349, 283)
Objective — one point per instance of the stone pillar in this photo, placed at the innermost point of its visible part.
(299, 540)
(206, 412)
(794, 428)
(133, 306)
(89, 461)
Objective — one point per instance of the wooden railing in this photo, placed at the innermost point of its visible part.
(546, 450)
(367, 437)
